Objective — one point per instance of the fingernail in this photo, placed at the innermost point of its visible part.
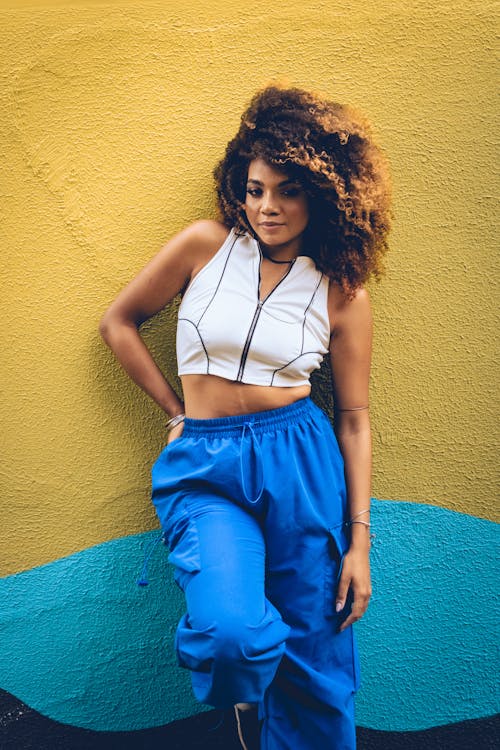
(338, 606)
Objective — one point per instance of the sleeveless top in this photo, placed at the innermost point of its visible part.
(223, 329)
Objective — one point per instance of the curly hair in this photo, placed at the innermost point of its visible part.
(329, 149)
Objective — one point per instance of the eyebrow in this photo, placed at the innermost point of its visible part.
(280, 184)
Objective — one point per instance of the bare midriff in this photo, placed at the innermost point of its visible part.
(209, 396)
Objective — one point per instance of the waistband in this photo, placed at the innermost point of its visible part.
(260, 421)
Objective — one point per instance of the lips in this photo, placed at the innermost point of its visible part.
(270, 224)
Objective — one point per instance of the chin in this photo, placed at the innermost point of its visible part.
(274, 236)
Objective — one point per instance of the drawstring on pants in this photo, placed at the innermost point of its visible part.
(150, 548)
(258, 453)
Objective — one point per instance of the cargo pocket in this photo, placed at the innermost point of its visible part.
(183, 543)
(338, 545)
(166, 485)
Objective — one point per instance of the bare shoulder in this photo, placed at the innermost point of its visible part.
(168, 272)
(200, 241)
(206, 234)
(344, 312)
(207, 230)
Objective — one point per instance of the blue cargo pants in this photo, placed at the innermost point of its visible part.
(253, 509)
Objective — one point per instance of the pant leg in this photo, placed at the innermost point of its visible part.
(231, 637)
(310, 703)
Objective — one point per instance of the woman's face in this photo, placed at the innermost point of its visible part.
(276, 207)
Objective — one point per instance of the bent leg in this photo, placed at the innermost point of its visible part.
(231, 638)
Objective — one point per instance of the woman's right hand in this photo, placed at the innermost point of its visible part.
(175, 432)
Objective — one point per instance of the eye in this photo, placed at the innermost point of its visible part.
(292, 192)
(254, 191)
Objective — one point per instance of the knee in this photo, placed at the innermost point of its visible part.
(233, 639)
(237, 637)
(232, 659)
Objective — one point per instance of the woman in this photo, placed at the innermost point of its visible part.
(264, 507)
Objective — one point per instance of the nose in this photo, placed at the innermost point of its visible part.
(269, 204)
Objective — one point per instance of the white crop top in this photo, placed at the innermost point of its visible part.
(224, 330)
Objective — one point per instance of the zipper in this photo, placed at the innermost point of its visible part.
(248, 341)
(255, 318)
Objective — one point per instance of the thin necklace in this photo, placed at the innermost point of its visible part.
(268, 257)
(279, 262)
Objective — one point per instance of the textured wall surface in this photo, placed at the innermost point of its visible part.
(113, 119)
(113, 115)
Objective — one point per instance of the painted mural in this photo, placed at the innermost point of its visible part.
(113, 114)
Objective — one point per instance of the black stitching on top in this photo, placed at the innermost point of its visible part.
(201, 339)
(278, 369)
(307, 310)
(219, 282)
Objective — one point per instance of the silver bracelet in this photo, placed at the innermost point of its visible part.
(359, 514)
(174, 421)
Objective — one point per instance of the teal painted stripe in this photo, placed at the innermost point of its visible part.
(84, 645)
(429, 640)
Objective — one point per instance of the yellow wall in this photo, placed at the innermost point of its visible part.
(112, 118)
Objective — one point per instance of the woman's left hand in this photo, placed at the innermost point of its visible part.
(355, 574)
(175, 432)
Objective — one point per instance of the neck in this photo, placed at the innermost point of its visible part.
(280, 253)
(275, 260)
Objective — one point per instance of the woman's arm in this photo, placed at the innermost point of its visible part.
(153, 288)
(350, 355)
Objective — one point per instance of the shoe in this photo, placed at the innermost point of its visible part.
(248, 728)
